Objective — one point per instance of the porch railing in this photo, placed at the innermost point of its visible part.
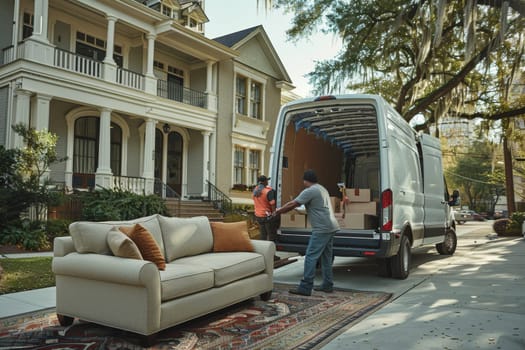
(129, 183)
(175, 92)
(130, 79)
(219, 199)
(77, 63)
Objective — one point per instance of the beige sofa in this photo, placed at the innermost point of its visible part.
(94, 285)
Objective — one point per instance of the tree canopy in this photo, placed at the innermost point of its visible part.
(429, 57)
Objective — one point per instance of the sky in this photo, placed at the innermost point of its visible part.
(298, 58)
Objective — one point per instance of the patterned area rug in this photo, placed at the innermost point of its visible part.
(286, 321)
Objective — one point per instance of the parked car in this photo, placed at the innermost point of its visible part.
(465, 215)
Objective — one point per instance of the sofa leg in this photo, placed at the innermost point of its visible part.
(148, 341)
(65, 320)
(266, 296)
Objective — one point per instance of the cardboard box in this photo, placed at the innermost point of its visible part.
(336, 204)
(369, 208)
(357, 221)
(293, 220)
(359, 195)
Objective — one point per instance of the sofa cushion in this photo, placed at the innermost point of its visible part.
(185, 236)
(90, 237)
(228, 267)
(122, 246)
(179, 280)
(231, 237)
(151, 223)
(147, 245)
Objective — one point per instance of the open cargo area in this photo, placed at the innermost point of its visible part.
(341, 144)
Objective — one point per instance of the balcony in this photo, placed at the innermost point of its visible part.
(175, 92)
(80, 64)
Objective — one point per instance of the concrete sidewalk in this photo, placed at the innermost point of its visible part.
(472, 300)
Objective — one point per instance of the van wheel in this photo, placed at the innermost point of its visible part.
(400, 263)
(449, 244)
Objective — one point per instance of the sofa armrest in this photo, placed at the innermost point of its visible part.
(63, 246)
(108, 268)
(267, 249)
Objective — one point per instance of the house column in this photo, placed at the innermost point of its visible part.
(22, 112)
(213, 158)
(40, 21)
(41, 112)
(210, 93)
(205, 162)
(109, 71)
(37, 47)
(149, 156)
(103, 175)
(151, 81)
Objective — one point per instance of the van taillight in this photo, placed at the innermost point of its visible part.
(386, 206)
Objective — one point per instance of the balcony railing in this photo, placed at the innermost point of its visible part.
(175, 92)
(8, 55)
(77, 63)
(130, 79)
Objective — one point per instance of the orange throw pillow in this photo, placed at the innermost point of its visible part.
(147, 245)
(231, 237)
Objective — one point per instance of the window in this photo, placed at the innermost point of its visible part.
(255, 165)
(238, 166)
(29, 22)
(95, 48)
(116, 149)
(248, 102)
(240, 95)
(255, 101)
(86, 145)
(85, 153)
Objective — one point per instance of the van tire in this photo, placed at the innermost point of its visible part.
(400, 263)
(449, 244)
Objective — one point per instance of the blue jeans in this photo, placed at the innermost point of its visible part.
(319, 246)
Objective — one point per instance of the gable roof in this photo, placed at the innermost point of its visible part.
(237, 39)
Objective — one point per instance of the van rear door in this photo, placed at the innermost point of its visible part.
(435, 206)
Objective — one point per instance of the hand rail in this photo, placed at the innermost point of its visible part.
(175, 92)
(219, 199)
(165, 191)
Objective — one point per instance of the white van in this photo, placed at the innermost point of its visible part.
(386, 180)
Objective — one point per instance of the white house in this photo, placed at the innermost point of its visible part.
(135, 91)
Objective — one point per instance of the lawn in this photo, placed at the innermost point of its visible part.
(26, 274)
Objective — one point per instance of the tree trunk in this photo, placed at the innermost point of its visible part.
(509, 179)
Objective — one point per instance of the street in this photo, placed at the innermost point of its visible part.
(474, 299)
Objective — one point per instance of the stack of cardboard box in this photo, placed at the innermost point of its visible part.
(294, 218)
(360, 212)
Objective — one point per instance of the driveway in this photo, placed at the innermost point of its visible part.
(472, 300)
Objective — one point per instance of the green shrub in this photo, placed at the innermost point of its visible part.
(505, 227)
(106, 204)
(57, 228)
(26, 234)
(517, 219)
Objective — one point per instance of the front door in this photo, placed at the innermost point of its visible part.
(174, 161)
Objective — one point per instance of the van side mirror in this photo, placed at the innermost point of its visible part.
(454, 199)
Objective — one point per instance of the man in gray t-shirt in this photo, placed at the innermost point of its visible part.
(316, 199)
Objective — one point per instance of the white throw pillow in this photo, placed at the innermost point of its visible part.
(122, 246)
(151, 223)
(185, 236)
(90, 237)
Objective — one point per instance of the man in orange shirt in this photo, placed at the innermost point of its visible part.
(264, 203)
